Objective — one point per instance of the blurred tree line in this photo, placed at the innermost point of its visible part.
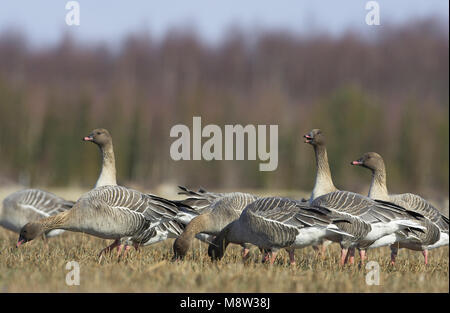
(386, 93)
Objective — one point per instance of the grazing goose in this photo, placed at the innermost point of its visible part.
(324, 183)
(28, 205)
(273, 223)
(436, 224)
(102, 138)
(222, 210)
(369, 220)
(114, 212)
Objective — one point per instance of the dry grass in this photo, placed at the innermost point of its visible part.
(36, 268)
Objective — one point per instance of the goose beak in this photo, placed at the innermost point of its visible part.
(88, 138)
(356, 163)
(19, 242)
(308, 138)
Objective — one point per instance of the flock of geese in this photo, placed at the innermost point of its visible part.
(135, 219)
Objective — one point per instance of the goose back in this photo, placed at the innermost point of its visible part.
(115, 211)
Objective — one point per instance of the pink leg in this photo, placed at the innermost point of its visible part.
(425, 255)
(273, 256)
(343, 256)
(292, 257)
(126, 251)
(119, 249)
(362, 256)
(245, 253)
(351, 256)
(108, 248)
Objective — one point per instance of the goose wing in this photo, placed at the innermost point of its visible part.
(420, 205)
(200, 200)
(290, 213)
(133, 201)
(42, 202)
(368, 210)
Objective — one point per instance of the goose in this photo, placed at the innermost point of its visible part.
(273, 223)
(324, 182)
(369, 220)
(222, 209)
(118, 213)
(436, 224)
(28, 205)
(324, 185)
(32, 204)
(103, 139)
(108, 199)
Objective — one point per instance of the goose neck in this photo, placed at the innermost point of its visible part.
(378, 188)
(108, 171)
(324, 182)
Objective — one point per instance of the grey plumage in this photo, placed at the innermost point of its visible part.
(422, 206)
(435, 224)
(28, 205)
(364, 214)
(274, 222)
(116, 212)
(218, 210)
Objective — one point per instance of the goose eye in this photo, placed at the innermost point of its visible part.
(98, 133)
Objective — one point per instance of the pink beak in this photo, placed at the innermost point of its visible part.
(87, 138)
(19, 243)
(308, 137)
(356, 163)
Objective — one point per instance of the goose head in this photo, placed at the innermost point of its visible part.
(370, 160)
(215, 251)
(315, 137)
(29, 232)
(99, 136)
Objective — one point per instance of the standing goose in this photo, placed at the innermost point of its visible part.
(274, 223)
(435, 223)
(102, 138)
(114, 212)
(96, 210)
(28, 205)
(324, 183)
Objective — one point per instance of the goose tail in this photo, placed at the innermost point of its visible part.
(334, 229)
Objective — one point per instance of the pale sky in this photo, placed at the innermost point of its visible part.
(43, 21)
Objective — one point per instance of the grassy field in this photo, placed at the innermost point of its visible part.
(37, 268)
